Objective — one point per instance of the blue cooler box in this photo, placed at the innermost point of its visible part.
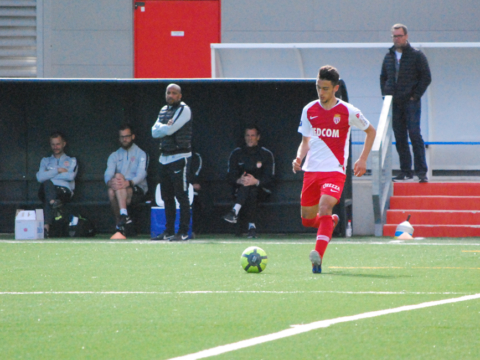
(157, 221)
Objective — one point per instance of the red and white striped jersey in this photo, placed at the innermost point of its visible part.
(329, 131)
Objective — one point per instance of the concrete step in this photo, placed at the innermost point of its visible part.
(435, 202)
(437, 188)
(437, 230)
(431, 217)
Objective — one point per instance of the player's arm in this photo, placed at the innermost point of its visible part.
(234, 171)
(43, 173)
(301, 153)
(70, 173)
(141, 172)
(181, 117)
(110, 171)
(360, 166)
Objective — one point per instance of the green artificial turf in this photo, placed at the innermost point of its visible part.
(57, 300)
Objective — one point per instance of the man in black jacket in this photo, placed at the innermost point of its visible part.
(174, 128)
(251, 170)
(406, 75)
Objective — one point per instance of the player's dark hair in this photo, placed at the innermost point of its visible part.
(329, 73)
(400, 26)
(125, 126)
(252, 127)
(57, 134)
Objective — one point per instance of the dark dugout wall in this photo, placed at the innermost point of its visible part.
(90, 111)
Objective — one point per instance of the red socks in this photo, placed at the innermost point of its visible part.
(315, 222)
(324, 233)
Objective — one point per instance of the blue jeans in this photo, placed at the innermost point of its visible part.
(406, 123)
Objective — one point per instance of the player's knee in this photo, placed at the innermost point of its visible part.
(325, 210)
(111, 193)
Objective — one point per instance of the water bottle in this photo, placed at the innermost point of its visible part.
(349, 229)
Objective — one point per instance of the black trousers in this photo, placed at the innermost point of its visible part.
(48, 192)
(174, 184)
(406, 123)
(247, 196)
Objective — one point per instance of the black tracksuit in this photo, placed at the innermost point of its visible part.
(259, 162)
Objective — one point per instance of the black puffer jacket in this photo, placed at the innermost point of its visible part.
(413, 78)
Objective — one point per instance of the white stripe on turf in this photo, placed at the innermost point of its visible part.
(448, 242)
(299, 329)
(225, 292)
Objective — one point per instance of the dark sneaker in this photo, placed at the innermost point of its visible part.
(316, 262)
(124, 220)
(422, 179)
(252, 233)
(231, 217)
(180, 237)
(163, 236)
(335, 219)
(402, 178)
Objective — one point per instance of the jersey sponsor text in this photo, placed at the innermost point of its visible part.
(326, 132)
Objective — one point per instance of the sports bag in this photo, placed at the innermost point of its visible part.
(80, 227)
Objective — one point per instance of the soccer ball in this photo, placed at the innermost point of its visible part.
(254, 259)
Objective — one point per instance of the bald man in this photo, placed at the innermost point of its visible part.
(174, 129)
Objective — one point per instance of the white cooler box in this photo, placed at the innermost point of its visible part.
(29, 224)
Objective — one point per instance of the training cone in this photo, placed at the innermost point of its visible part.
(118, 236)
(404, 236)
(404, 228)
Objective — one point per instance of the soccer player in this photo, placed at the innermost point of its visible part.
(325, 128)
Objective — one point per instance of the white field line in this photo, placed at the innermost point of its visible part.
(299, 329)
(286, 242)
(225, 292)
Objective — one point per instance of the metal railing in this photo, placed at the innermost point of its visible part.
(381, 155)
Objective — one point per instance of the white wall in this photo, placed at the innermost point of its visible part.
(88, 39)
(245, 21)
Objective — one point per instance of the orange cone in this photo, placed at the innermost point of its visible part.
(405, 236)
(118, 236)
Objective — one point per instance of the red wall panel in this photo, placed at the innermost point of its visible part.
(172, 38)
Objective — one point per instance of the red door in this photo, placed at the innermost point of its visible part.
(172, 38)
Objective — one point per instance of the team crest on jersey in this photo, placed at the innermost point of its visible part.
(133, 159)
(66, 164)
(336, 119)
(259, 164)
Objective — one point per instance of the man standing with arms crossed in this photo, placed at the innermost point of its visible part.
(325, 128)
(406, 75)
(174, 128)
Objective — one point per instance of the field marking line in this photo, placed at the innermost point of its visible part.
(403, 267)
(225, 292)
(299, 329)
(475, 251)
(232, 242)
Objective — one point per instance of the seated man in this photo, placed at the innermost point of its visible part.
(251, 170)
(125, 177)
(57, 177)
